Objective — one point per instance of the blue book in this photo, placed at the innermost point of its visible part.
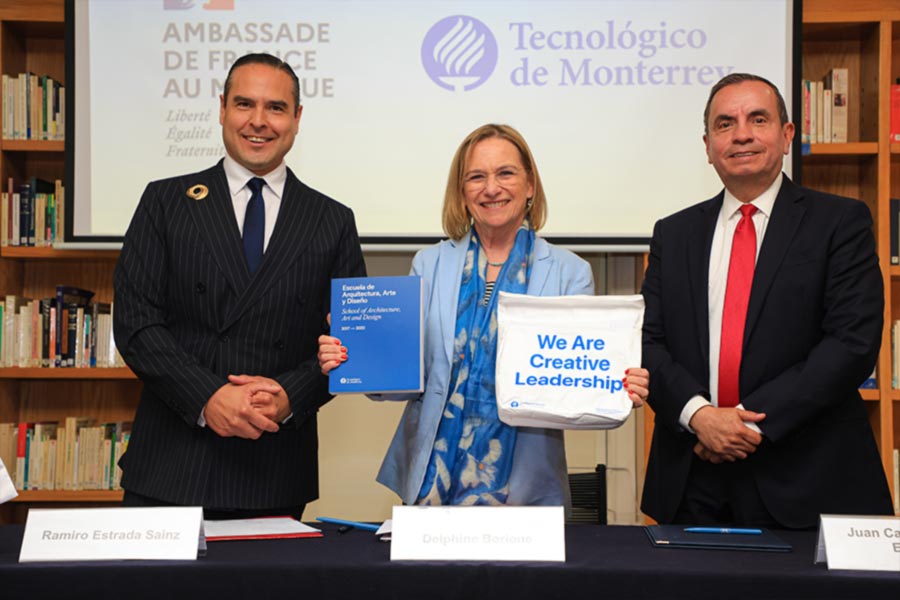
(380, 322)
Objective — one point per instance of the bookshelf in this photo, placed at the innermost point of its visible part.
(32, 39)
(863, 36)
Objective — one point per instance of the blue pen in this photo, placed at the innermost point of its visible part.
(354, 524)
(727, 530)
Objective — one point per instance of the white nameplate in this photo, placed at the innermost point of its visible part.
(164, 533)
(860, 543)
(478, 533)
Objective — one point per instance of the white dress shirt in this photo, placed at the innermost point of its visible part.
(272, 192)
(719, 257)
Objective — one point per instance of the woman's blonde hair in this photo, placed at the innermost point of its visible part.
(455, 216)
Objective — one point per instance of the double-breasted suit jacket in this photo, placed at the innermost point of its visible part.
(188, 313)
(812, 336)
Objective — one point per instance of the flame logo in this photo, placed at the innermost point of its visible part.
(460, 49)
(459, 53)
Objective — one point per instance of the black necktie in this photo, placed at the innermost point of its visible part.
(254, 225)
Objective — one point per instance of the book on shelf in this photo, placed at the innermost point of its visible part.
(8, 446)
(23, 438)
(837, 80)
(895, 111)
(820, 113)
(47, 325)
(379, 320)
(5, 232)
(65, 330)
(33, 107)
(42, 451)
(895, 360)
(68, 298)
(74, 454)
(24, 340)
(101, 326)
(814, 102)
(12, 306)
(896, 481)
(26, 217)
(32, 213)
(807, 103)
(895, 230)
(827, 100)
(825, 108)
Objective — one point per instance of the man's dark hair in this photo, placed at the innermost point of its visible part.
(734, 78)
(265, 59)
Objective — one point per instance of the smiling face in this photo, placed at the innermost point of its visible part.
(496, 187)
(258, 119)
(746, 141)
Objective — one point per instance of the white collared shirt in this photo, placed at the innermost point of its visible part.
(719, 257)
(238, 176)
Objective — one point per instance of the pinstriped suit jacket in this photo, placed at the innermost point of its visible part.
(188, 313)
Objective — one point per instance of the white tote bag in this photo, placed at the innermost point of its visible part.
(561, 360)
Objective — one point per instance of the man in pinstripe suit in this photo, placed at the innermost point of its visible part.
(226, 352)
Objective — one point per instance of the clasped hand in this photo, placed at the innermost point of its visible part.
(247, 406)
(723, 435)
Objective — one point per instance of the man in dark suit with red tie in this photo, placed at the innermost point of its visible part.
(221, 291)
(764, 314)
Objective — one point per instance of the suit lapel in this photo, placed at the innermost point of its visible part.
(540, 267)
(214, 218)
(787, 213)
(298, 219)
(699, 243)
(450, 267)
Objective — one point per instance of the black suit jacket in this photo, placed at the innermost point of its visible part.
(813, 331)
(188, 313)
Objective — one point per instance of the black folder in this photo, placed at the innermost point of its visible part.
(675, 536)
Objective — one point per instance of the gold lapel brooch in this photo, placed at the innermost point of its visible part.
(198, 192)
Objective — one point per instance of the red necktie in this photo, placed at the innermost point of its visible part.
(734, 313)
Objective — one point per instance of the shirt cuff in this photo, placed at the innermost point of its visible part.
(750, 424)
(692, 406)
(698, 402)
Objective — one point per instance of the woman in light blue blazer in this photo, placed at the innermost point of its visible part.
(450, 447)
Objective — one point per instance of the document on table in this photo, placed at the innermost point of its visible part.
(679, 536)
(263, 528)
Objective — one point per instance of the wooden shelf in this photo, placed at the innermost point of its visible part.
(69, 496)
(66, 373)
(33, 145)
(848, 149)
(869, 394)
(863, 37)
(44, 252)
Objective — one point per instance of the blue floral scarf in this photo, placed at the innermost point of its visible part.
(473, 452)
